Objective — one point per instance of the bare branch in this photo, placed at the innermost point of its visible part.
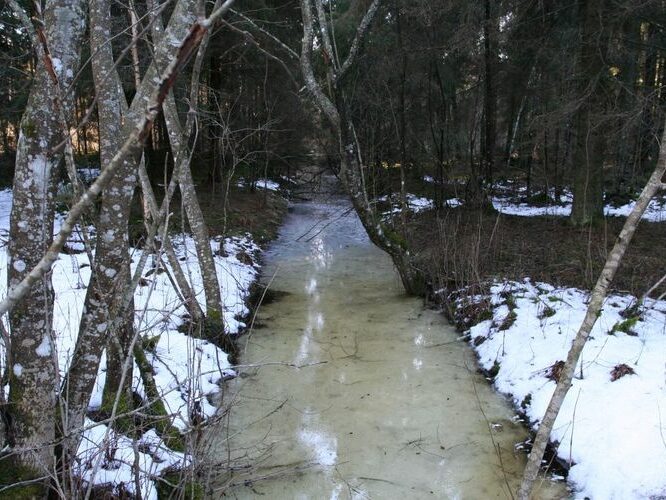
(311, 83)
(358, 40)
(292, 53)
(250, 38)
(131, 146)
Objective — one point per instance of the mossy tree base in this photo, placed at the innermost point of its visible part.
(14, 473)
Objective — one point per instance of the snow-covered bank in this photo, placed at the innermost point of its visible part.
(612, 427)
(413, 203)
(187, 370)
(262, 184)
(505, 202)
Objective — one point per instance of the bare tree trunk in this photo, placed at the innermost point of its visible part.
(594, 308)
(110, 276)
(179, 137)
(337, 114)
(589, 148)
(33, 374)
(88, 351)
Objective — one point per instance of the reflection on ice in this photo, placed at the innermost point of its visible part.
(323, 447)
(320, 255)
(311, 287)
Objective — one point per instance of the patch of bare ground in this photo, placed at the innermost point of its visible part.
(230, 212)
(458, 247)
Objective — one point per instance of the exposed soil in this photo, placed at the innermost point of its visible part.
(458, 247)
(237, 212)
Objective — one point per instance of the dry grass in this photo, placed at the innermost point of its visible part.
(459, 247)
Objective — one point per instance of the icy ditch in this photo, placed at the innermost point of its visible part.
(187, 371)
(612, 426)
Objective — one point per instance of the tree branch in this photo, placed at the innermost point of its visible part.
(311, 83)
(249, 37)
(292, 53)
(358, 40)
(131, 146)
(326, 39)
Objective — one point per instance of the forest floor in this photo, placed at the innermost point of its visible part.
(188, 371)
(516, 283)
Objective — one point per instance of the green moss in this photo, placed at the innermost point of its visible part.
(492, 373)
(158, 417)
(214, 315)
(546, 312)
(150, 343)
(124, 422)
(508, 321)
(212, 329)
(634, 310)
(173, 485)
(29, 129)
(12, 472)
(626, 326)
(484, 315)
(394, 237)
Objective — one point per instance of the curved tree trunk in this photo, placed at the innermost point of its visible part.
(337, 113)
(597, 297)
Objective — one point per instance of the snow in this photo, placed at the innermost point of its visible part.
(262, 184)
(88, 174)
(415, 203)
(187, 370)
(611, 432)
(44, 348)
(114, 463)
(656, 211)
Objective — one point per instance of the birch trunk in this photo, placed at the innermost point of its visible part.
(179, 137)
(110, 276)
(88, 351)
(33, 373)
(593, 310)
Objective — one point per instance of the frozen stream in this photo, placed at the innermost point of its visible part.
(356, 391)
